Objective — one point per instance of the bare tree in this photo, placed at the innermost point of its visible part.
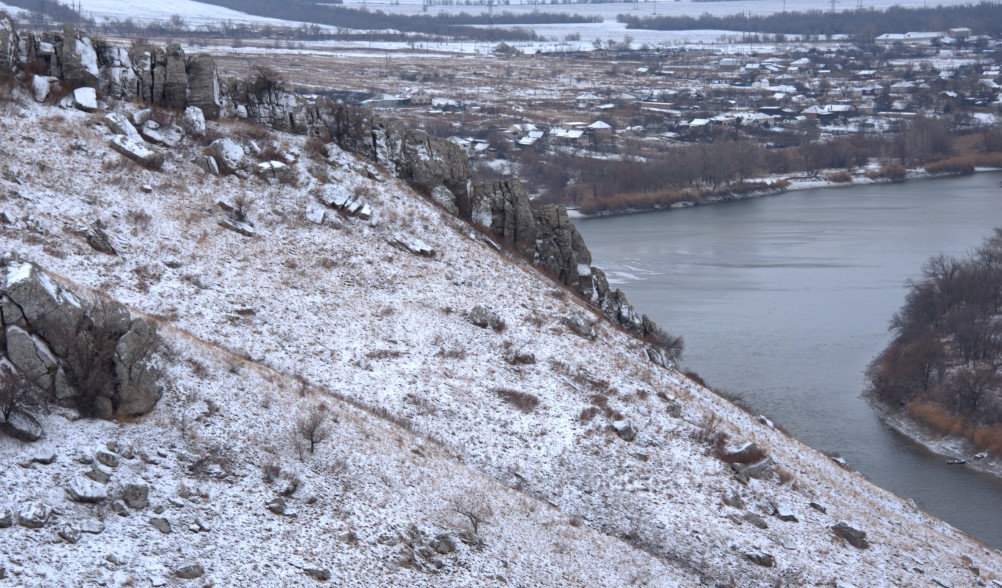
(474, 508)
(17, 394)
(314, 427)
(266, 81)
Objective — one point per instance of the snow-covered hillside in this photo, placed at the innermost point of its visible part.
(589, 464)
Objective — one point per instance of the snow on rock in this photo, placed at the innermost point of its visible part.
(81, 489)
(120, 125)
(379, 338)
(33, 515)
(40, 87)
(228, 154)
(85, 99)
(194, 121)
(412, 244)
(137, 152)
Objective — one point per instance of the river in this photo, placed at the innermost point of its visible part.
(785, 300)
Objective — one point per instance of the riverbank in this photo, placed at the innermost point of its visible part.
(788, 184)
(948, 446)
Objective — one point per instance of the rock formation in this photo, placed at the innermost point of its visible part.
(96, 358)
(8, 43)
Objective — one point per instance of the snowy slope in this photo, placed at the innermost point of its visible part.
(304, 313)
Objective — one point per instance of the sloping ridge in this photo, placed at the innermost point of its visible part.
(625, 452)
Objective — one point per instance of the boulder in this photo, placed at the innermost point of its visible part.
(98, 474)
(761, 470)
(136, 495)
(484, 317)
(137, 373)
(81, 489)
(161, 524)
(106, 457)
(319, 574)
(315, 213)
(118, 79)
(412, 244)
(6, 518)
(228, 155)
(276, 505)
(118, 507)
(85, 99)
(852, 536)
(98, 238)
(91, 527)
(784, 513)
(581, 323)
(335, 195)
(245, 229)
(761, 558)
(194, 121)
(23, 426)
(120, 125)
(69, 533)
(138, 152)
(40, 86)
(625, 430)
(560, 250)
(190, 571)
(31, 356)
(167, 137)
(446, 199)
(274, 169)
(33, 515)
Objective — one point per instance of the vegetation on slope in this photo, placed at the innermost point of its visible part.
(942, 365)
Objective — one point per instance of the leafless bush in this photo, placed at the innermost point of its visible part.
(17, 394)
(266, 81)
(271, 472)
(90, 359)
(474, 508)
(313, 427)
(673, 345)
(242, 205)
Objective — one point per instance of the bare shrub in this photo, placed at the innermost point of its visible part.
(840, 177)
(17, 393)
(672, 345)
(313, 427)
(474, 508)
(521, 400)
(90, 360)
(242, 206)
(271, 472)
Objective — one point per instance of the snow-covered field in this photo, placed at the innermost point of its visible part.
(140, 11)
(261, 328)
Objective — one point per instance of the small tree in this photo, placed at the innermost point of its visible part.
(266, 81)
(17, 394)
(314, 427)
(474, 508)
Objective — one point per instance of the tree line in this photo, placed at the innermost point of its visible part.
(943, 362)
(984, 19)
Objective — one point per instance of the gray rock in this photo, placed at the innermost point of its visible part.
(6, 518)
(852, 536)
(561, 250)
(136, 495)
(784, 513)
(419, 158)
(161, 524)
(9, 54)
(91, 527)
(503, 207)
(443, 544)
(625, 430)
(755, 520)
(761, 470)
(315, 213)
(274, 169)
(138, 152)
(98, 238)
(121, 126)
(412, 244)
(169, 137)
(106, 457)
(175, 88)
(23, 426)
(819, 507)
(761, 558)
(485, 317)
(33, 515)
(228, 155)
(78, 59)
(319, 574)
(276, 505)
(581, 323)
(119, 508)
(245, 229)
(32, 356)
(81, 489)
(69, 533)
(85, 99)
(446, 199)
(136, 371)
(194, 121)
(204, 91)
(190, 571)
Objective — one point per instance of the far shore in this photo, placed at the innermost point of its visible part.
(947, 446)
(796, 183)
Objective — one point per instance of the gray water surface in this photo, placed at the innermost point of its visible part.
(785, 300)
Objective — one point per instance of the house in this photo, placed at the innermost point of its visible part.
(383, 101)
(902, 87)
(960, 33)
(519, 131)
(418, 98)
(600, 128)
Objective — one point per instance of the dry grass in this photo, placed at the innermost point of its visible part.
(840, 177)
(984, 437)
(521, 400)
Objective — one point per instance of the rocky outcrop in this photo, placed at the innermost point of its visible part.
(77, 58)
(561, 250)
(204, 91)
(118, 78)
(504, 208)
(138, 152)
(175, 88)
(95, 358)
(8, 43)
(273, 107)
